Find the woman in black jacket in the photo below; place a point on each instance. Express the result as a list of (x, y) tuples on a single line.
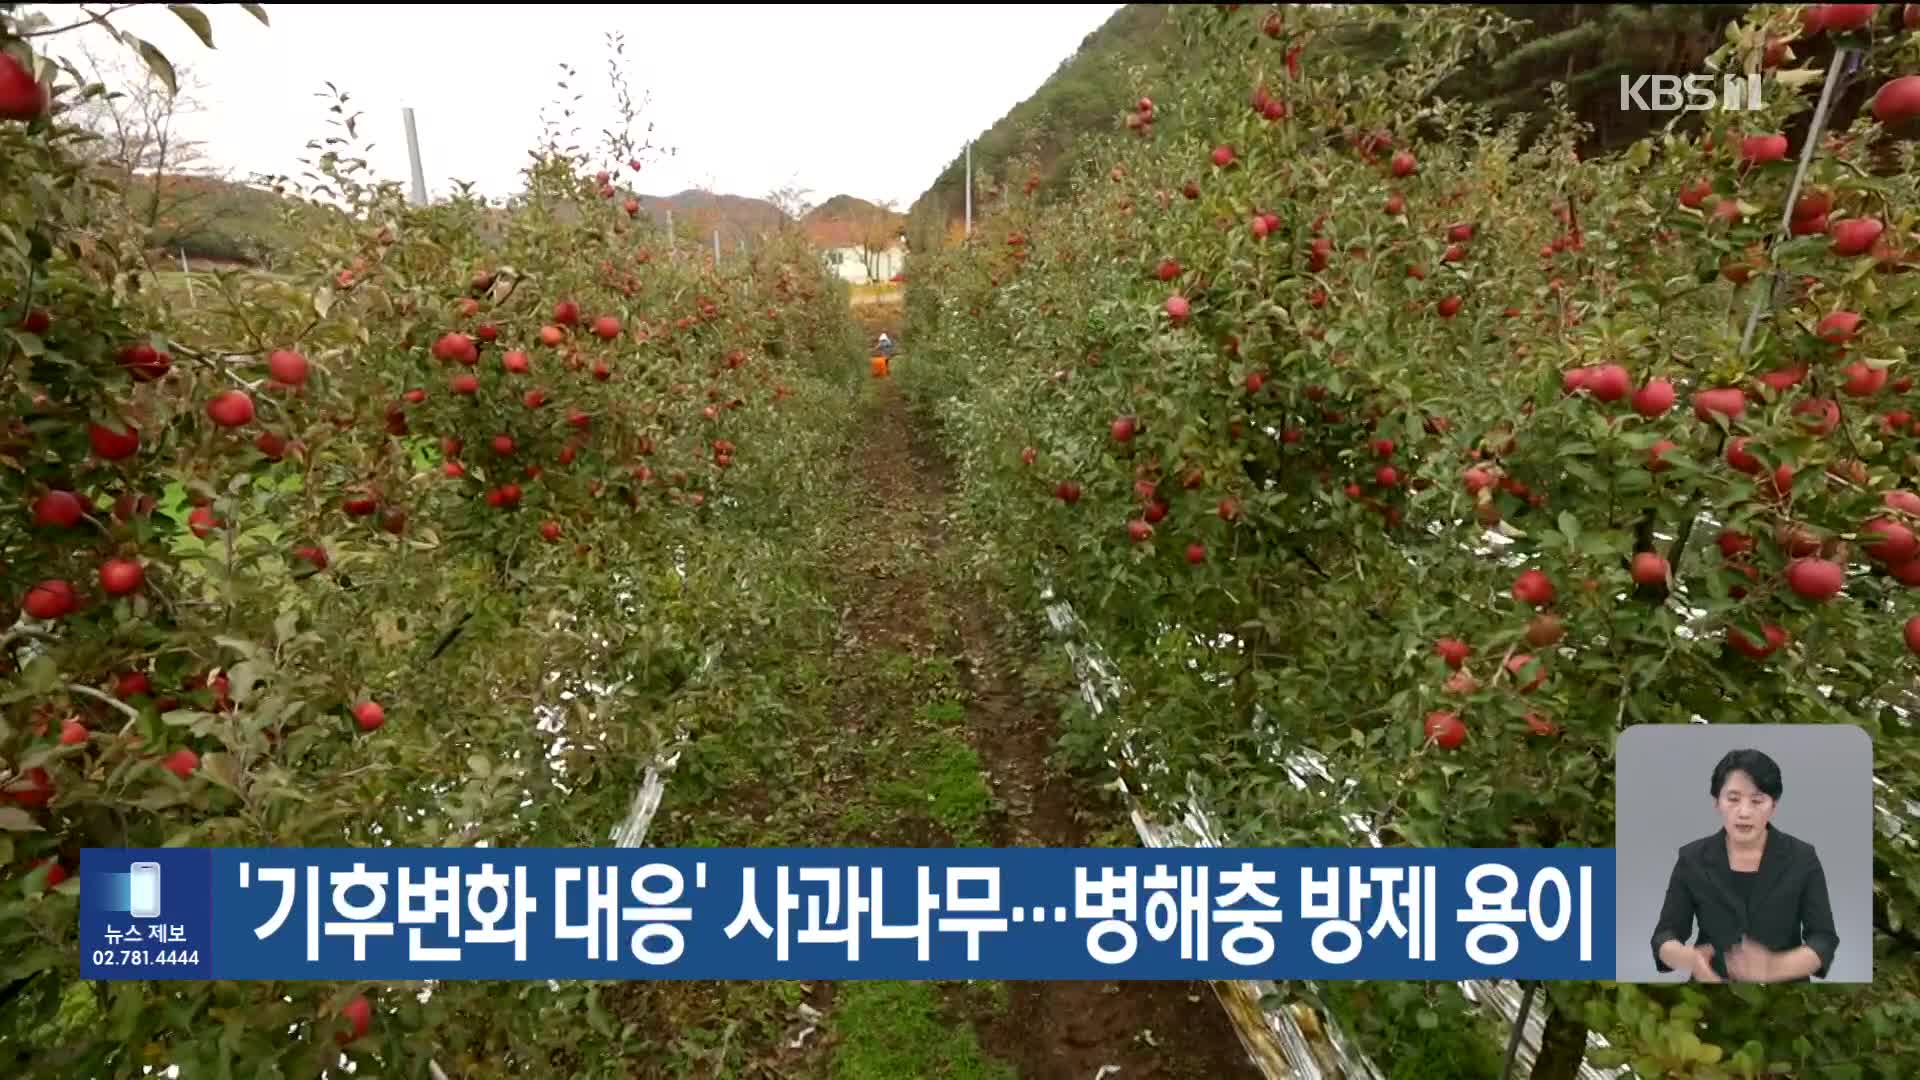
[(1758, 894)]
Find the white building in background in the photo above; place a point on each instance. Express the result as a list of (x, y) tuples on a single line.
[(841, 247)]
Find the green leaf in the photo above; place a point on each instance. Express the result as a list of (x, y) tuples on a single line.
[(1570, 527), (243, 679), (257, 12), (14, 819), (222, 770), (196, 21), (479, 765), (41, 675), (28, 344), (156, 61)]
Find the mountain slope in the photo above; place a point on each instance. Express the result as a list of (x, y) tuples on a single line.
[(1079, 97), (698, 214), (848, 221), (1140, 47)]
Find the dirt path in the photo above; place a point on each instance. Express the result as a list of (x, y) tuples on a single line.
[(1051, 1029), (903, 725)]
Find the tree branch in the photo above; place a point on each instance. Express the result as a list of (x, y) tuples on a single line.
[(91, 19), (88, 691)]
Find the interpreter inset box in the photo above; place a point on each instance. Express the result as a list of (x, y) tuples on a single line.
[(1744, 853)]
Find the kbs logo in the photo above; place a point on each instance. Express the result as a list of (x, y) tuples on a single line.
[(1688, 93)]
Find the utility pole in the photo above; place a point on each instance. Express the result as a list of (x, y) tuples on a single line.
[(969, 188), (413, 152), (670, 251), (716, 247)]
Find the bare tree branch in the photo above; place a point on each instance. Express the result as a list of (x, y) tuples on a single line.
[(142, 143)]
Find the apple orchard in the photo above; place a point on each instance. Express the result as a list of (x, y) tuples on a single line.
[(1352, 423), (300, 563)]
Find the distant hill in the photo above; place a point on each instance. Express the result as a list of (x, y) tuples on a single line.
[(1086, 93), (208, 218), (1140, 50), (848, 221), (697, 214)]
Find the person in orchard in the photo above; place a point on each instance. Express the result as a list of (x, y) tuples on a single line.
[(1758, 895)]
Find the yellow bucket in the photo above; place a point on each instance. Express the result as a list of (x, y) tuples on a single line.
[(879, 365)]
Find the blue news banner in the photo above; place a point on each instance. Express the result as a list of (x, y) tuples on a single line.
[(405, 914)]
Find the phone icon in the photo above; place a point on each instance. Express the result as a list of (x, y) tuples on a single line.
[(144, 890)]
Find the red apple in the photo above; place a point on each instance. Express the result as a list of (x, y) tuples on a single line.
[(1445, 729), (1819, 415), (1897, 101), (1609, 382), (51, 599), (1453, 651), (111, 445), (369, 715), (1816, 579), (1729, 402), (181, 763), (1739, 458), (1838, 327), (1843, 17), (286, 367), (1517, 666), (1534, 588), (1775, 636), (22, 98), (59, 509), (458, 347), (1762, 149), (118, 577), (1863, 379), (1649, 569), (359, 1016), (1653, 399), (1855, 236), (1896, 542), (231, 408)]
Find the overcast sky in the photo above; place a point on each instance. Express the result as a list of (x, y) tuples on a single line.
[(870, 101)]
